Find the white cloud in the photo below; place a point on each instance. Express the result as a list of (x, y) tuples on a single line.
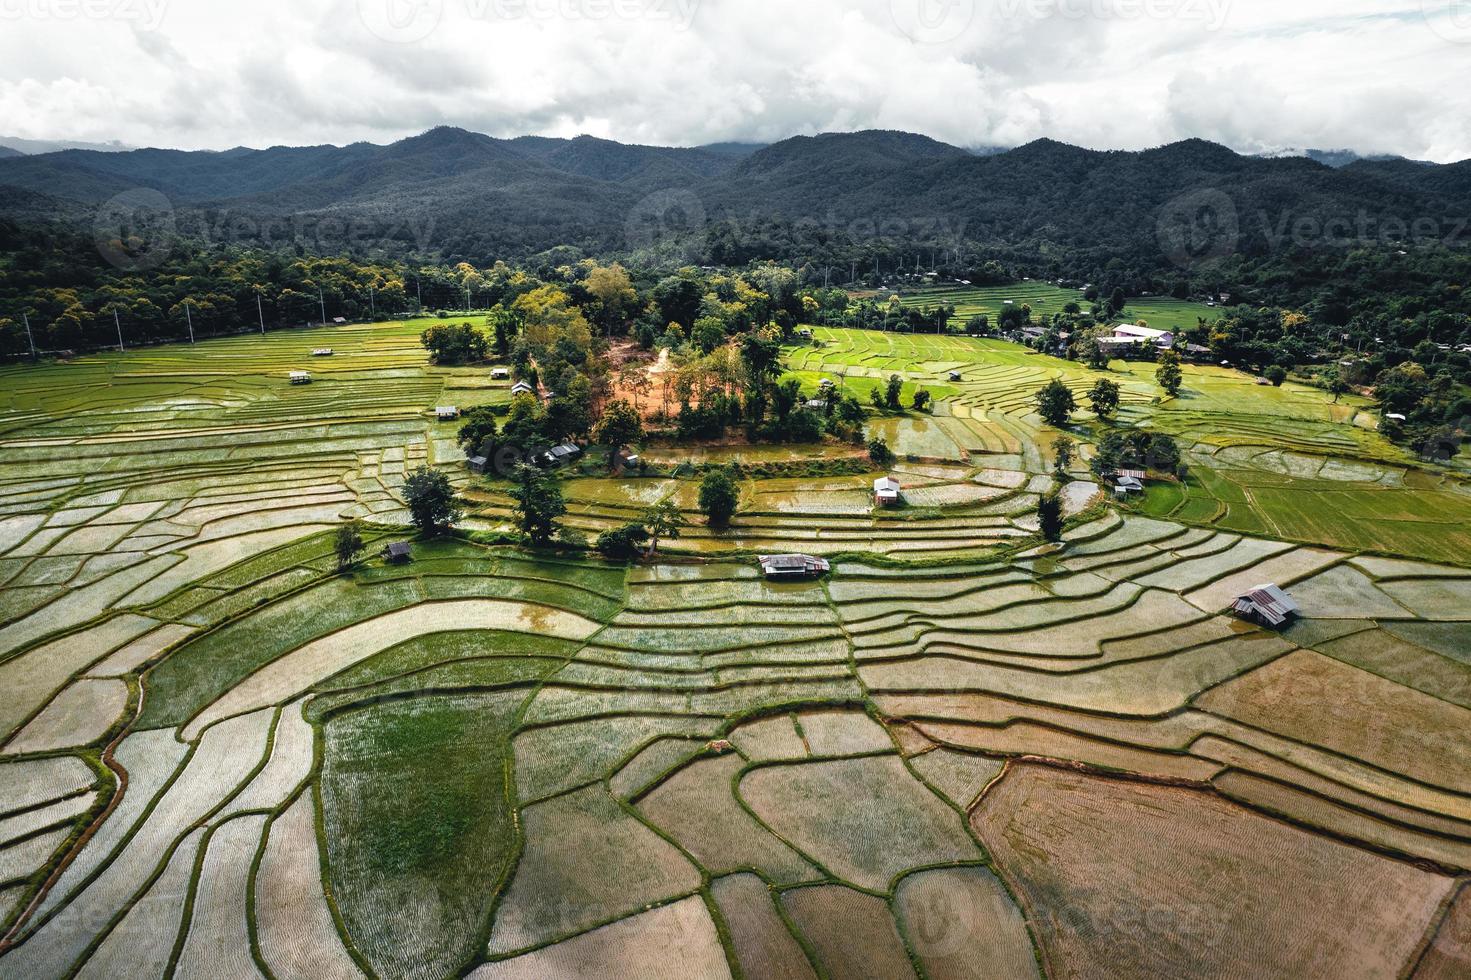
[(1365, 74)]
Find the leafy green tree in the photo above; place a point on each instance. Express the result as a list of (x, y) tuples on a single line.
[(539, 505), (622, 543), (1169, 375), (1334, 381), (880, 453), (708, 333), (892, 390), (849, 411), (1064, 451), (719, 497), (1104, 397), (761, 356), (1049, 515), (348, 544), (922, 399), (1277, 374), (455, 343), (570, 412), (678, 299), (1402, 389), (620, 426), (480, 425), (664, 520), (432, 500), (784, 398), (1056, 404)]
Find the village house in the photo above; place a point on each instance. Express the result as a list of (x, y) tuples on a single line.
[(323, 352), (1266, 605), (793, 566), (477, 464), (447, 413), (522, 388), (561, 455), (500, 374), (1127, 335), (887, 492), (399, 552), (300, 378)]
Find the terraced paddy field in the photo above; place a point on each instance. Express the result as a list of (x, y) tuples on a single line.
[(956, 756), (1045, 299), (1283, 462)]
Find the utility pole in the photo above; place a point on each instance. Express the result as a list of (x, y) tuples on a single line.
[(190, 318), (854, 279), (260, 313), (419, 291), (323, 304), (119, 324), (467, 299), (372, 307), (29, 339)]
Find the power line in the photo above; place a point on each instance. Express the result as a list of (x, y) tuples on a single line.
[(30, 339), (260, 313), (190, 318), (119, 324)]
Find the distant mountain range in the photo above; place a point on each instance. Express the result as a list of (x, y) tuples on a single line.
[(14, 145), (453, 195)]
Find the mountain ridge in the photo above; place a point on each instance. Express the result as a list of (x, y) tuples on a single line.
[(484, 196)]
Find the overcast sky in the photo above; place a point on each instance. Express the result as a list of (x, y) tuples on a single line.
[(1370, 75)]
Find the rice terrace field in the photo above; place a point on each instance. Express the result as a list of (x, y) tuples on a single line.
[(962, 754)]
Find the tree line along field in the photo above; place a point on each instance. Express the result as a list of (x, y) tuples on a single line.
[(1045, 299), (957, 756)]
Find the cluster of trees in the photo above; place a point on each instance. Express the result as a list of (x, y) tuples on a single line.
[(73, 299)]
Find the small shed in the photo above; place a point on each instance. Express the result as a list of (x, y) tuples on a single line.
[(447, 413), (500, 374), (561, 455), (955, 376), (886, 492), (826, 384), (522, 388), (793, 566), (1266, 605), (477, 464), (301, 378), (1396, 417), (399, 552), (339, 319), (817, 404), (805, 334), (323, 352), (1139, 476), (1127, 485), (630, 461)]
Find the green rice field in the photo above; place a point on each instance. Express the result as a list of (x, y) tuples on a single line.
[(1045, 299), (956, 755)]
